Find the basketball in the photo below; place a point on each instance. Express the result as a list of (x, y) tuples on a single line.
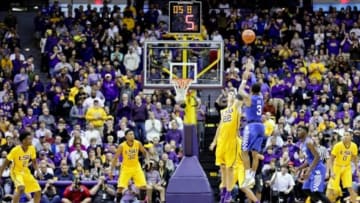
[(248, 36)]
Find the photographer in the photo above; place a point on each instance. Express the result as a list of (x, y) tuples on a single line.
[(50, 193), (282, 184), (76, 193), (130, 194), (103, 192)]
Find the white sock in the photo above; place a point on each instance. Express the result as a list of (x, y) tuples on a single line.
[(247, 173), (252, 174)]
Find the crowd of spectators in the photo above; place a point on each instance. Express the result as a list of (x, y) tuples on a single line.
[(307, 62), (93, 94)]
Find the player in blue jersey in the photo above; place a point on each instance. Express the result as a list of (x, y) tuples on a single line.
[(315, 170), (254, 131)]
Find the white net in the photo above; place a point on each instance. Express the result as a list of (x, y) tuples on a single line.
[(181, 87)]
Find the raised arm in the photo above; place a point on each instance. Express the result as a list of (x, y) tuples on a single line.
[(245, 76)]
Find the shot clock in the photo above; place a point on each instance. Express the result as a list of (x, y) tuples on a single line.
[(185, 17)]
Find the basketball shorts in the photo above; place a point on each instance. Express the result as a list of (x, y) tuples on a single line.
[(253, 137), (27, 180), (137, 174), (344, 175), (316, 181), (226, 153)]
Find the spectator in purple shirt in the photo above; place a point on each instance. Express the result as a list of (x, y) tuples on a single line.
[(314, 86), (346, 108), (269, 155), (7, 106), (54, 58), (171, 153), (154, 182), (21, 82), (17, 64), (154, 75), (130, 194), (333, 46), (29, 119), (139, 116), (174, 134), (301, 118), (124, 108), (160, 113), (110, 90)]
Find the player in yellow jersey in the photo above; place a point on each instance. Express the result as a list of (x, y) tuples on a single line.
[(130, 166), (342, 154), (20, 157), (226, 143), (239, 174)]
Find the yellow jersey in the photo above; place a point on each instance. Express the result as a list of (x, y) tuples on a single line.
[(130, 155), (343, 155), (190, 109), (20, 159), (230, 122), (238, 161)]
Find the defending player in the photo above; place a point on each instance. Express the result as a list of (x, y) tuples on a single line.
[(226, 141), (254, 131), (20, 157), (130, 167), (342, 154), (314, 176)]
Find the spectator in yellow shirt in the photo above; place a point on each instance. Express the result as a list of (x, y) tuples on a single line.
[(129, 23), (74, 91), (97, 116), (326, 124), (269, 124), (316, 70), (285, 52), (7, 66)]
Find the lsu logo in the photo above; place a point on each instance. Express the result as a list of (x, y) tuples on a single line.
[(25, 157)]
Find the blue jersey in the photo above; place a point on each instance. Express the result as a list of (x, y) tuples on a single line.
[(316, 180), (306, 151), (254, 111)]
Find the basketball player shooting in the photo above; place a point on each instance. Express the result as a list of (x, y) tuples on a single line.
[(254, 131), (226, 142)]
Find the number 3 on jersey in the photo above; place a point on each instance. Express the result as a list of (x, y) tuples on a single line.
[(259, 110)]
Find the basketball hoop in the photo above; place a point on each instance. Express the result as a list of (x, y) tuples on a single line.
[(181, 86)]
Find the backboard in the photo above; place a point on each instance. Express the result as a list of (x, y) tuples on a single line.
[(201, 61)]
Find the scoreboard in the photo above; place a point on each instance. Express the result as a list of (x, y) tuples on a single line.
[(185, 17)]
